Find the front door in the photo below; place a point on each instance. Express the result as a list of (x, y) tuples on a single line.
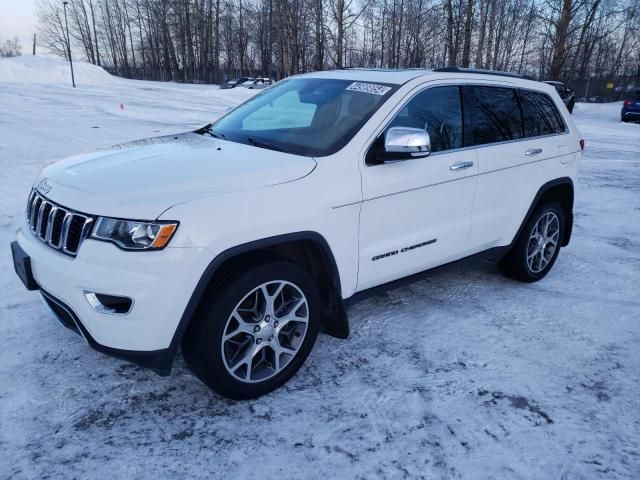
[(416, 213)]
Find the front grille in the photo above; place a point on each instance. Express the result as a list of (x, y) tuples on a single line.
[(57, 226)]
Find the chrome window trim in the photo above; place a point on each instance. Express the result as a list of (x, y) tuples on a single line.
[(460, 84)]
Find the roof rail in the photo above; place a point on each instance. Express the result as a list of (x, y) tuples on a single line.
[(483, 72)]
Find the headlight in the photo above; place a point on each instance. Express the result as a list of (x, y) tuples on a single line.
[(134, 235)]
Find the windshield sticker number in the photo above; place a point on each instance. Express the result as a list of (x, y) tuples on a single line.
[(372, 88)]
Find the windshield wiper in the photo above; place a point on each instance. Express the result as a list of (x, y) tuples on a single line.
[(264, 145), (209, 130)]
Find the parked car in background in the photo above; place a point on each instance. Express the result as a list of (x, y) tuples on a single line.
[(631, 108), (236, 82), (240, 241), (258, 84), (567, 95)]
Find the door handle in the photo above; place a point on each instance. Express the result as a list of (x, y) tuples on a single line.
[(461, 165), (533, 151)]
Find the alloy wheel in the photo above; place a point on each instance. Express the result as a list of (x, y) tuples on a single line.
[(265, 331), (543, 242)]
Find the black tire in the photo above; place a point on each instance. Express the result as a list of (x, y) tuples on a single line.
[(514, 264), (202, 344)]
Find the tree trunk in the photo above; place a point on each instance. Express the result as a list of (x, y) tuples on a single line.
[(492, 27), (484, 6), (466, 49), (451, 60), (560, 41), (319, 35)]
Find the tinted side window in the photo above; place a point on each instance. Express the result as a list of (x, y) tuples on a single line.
[(438, 110), (496, 115), (541, 117)]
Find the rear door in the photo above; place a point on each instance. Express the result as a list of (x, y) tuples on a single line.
[(516, 132)]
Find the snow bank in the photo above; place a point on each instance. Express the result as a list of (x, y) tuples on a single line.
[(37, 69)]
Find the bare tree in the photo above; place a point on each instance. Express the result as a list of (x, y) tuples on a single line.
[(10, 48), (204, 40)]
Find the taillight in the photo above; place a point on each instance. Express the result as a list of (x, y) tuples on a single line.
[(627, 102), (582, 144)]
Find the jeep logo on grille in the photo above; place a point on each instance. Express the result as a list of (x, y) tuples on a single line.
[(44, 186)]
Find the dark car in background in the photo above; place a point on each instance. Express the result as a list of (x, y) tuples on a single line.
[(567, 95), (236, 82), (631, 108), (258, 84)]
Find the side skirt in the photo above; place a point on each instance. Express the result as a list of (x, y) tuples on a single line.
[(492, 255)]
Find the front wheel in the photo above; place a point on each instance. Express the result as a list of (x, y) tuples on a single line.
[(536, 249), (253, 336)]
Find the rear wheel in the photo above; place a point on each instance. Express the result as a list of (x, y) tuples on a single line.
[(254, 336), (536, 249)]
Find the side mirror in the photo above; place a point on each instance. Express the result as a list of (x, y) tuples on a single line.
[(401, 143)]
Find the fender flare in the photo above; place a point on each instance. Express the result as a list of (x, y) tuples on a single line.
[(337, 326), (536, 199)]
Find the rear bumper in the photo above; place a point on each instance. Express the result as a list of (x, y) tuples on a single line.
[(631, 114)]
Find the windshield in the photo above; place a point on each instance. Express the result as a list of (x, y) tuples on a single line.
[(303, 116)]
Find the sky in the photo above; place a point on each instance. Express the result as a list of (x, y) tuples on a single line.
[(17, 19)]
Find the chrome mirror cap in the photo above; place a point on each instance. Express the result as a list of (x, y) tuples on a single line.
[(413, 141)]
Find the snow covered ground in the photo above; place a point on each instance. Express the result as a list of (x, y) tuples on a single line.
[(464, 375)]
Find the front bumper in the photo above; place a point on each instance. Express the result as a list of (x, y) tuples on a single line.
[(160, 283), (160, 361)]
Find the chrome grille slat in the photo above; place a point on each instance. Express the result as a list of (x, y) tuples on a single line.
[(40, 214), (86, 228), (57, 244), (68, 242), (59, 227), (52, 215), (34, 211), (65, 229), (32, 197)]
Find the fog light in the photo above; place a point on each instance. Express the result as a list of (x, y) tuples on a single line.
[(111, 304)]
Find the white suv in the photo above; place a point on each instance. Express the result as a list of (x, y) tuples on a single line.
[(240, 241)]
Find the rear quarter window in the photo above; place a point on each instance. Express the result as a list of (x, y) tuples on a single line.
[(540, 115)]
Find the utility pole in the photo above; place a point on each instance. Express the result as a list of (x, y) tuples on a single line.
[(270, 39), (73, 81), (586, 92), (34, 43)]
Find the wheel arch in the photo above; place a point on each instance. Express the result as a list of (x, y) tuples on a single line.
[(560, 190), (307, 248)]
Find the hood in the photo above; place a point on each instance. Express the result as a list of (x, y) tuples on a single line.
[(141, 179)]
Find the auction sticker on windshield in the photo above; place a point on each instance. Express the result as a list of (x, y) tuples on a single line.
[(373, 88)]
